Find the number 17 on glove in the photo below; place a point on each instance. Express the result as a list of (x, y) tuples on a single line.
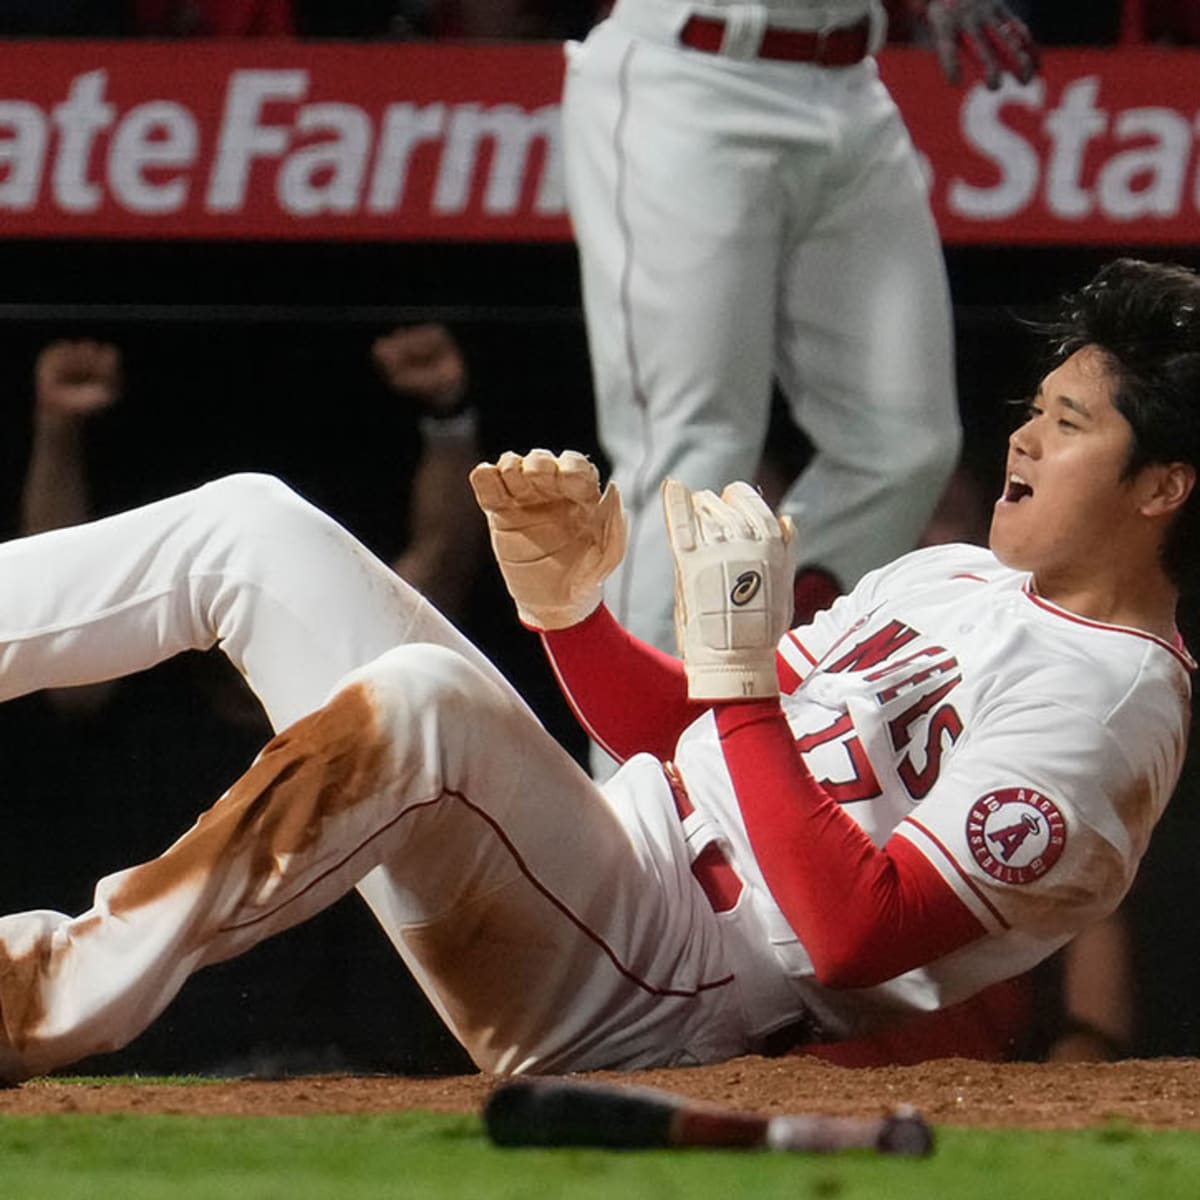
[(734, 565)]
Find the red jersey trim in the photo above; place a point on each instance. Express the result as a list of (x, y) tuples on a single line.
[(795, 641), (789, 678), (1179, 650), (971, 885)]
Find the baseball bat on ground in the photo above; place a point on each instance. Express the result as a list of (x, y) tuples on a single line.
[(570, 1112)]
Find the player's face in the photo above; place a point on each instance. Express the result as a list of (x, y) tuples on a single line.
[(1066, 509)]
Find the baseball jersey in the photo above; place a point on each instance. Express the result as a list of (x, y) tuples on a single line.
[(1024, 752)]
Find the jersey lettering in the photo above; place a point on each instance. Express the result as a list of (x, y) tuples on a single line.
[(945, 723), (883, 672), (900, 727), (872, 650), (862, 783), (942, 668)]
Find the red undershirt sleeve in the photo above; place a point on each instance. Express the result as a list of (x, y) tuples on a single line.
[(864, 914), (628, 695)]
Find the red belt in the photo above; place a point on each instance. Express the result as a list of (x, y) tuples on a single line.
[(841, 47), (714, 872)]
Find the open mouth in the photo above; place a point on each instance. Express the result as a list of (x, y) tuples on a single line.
[(1016, 489)]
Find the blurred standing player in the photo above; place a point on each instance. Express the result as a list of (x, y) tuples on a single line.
[(747, 205)]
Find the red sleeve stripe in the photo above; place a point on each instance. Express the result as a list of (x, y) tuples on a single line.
[(958, 879), (789, 680), (796, 656)]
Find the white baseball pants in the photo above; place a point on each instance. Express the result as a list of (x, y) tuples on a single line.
[(555, 926), (739, 221)]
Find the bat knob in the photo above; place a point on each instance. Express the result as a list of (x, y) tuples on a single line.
[(905, 1132)]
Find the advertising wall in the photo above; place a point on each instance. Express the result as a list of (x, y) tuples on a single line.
[(414, 141)]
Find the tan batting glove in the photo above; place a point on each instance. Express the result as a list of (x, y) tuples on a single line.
[(555, 537), (734, 565)]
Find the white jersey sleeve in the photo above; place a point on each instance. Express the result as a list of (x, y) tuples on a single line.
[(1040, 817), (1047, 846)]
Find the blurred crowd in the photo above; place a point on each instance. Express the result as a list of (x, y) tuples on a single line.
[(1101, 22)]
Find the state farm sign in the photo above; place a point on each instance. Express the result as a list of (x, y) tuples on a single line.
[(389, 142), (323, 158), (202, 140), (1102, 147)]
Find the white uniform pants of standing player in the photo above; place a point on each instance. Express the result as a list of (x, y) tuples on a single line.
[(743, 219), (554, 926)]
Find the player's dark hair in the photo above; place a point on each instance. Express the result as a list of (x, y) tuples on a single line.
[(1145, 318)]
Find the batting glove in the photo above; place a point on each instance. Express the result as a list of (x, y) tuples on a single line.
[(733, 589), (555, 537), (988, 31)]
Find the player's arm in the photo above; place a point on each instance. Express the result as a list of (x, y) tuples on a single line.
[(556, 538), (628, 695), (865, 914)]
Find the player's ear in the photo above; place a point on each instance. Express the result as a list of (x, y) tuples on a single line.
[(1165, 488)]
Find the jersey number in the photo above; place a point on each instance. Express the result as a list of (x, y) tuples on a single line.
[(945, 726), (862, 784)]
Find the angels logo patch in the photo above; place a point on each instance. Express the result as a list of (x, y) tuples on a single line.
[(1016, 834)]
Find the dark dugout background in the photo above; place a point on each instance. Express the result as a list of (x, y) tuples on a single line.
[(246, 356)]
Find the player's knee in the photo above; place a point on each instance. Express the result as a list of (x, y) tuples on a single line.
[(251, 501), (246, 493), (433, 706), (424, 679)]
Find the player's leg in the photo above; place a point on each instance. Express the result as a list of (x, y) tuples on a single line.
[(866, 352), (677, 216), (291, 597), (551, 932)]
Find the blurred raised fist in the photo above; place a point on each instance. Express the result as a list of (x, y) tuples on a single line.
[(425, 362), (987, 31), (77, 378)]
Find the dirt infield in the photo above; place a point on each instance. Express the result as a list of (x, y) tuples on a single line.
[(1159, 1093)]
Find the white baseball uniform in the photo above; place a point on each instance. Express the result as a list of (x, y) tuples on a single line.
[(1019, 754), (740, 218)]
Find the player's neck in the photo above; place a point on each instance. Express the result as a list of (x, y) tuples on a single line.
[(1136, 597)]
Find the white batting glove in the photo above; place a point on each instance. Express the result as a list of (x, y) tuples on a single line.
[(555, 537), (986, 30), (734, 565)]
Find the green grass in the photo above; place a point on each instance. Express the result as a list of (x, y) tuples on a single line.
[(90, 1157)]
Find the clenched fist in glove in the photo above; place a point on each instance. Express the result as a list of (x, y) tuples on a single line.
[(555, 537), (987, 30), (733, 589)]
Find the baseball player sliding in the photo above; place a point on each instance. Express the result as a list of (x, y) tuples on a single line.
[(748, 207), (814, 833)]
